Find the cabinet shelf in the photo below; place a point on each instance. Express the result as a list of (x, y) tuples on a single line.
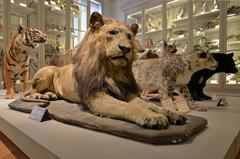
[(198, 16), (233, 18), (179, 39), (233, 43), (212, 30), (154, 31), (21, 10), (53, 31)]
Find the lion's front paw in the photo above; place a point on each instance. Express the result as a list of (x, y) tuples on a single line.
[(156, 122), (175, 118), (196, 106), (46, 96), (51, 96)]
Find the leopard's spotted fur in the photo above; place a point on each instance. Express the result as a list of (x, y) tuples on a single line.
[(170, 72)]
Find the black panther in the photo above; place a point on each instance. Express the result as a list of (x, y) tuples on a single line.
[(198, 80)]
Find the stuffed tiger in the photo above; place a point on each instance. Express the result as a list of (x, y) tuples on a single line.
[(16, 57)]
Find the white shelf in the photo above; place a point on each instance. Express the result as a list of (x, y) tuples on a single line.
[(53, 31), (198, 16), (212, 30), (233, 43), (179, 20), (154, 31), (179, 39), (206, 14), (233, 18), (59, 12), (20, 10), (176, 3)]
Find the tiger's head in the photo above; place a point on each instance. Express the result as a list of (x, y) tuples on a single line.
[(31, 37)]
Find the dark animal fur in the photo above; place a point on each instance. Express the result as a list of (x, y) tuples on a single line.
[(199, 79)]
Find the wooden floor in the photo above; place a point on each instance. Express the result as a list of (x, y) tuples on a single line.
[(8, 150)]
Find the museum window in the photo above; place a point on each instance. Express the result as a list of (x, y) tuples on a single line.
[(64, 23)]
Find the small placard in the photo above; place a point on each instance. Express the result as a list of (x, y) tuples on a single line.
[(39, 114), (181, 104), (167, 103), (222, 102)]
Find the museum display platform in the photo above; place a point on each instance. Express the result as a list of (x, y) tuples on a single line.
[(52, 139)]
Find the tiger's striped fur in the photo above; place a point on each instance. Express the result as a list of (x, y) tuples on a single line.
[(16, 57)]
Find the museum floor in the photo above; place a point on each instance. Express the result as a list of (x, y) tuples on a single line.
[(52, 139)]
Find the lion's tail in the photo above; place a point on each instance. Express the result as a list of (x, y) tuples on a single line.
[(24, 98)]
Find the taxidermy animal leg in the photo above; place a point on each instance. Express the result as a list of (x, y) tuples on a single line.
[(147, 96), (108, 106), (191, 103), (173, 117), (9, 85)]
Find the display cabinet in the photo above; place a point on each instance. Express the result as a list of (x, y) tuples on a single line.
[(65, 23), (177, 24), (233, 38), (79, 21), (1, 38), (194, 26), (55, 28), (137, 18), (153, 26)]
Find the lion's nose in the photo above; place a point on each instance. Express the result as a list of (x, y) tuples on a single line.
[(125, 49)]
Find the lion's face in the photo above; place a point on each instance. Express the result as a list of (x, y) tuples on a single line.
[(117, 40), (119, 44)]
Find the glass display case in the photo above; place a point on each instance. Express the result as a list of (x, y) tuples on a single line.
[(206, 29), (233, 38), (55, 28), (79, 21), (137, 18), (177, 24), (173, 20), (1, 40), (24, 12), (153, 26)]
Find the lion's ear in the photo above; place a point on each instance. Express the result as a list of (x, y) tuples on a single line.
[(96, 21), (134, 28)]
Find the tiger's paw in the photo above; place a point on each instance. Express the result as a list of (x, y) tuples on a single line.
[(10, 96)]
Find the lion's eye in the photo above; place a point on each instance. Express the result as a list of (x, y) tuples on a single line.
[(113, 32), (129, 36)]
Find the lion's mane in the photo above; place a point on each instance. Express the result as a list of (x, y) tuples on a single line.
[(94, 72)]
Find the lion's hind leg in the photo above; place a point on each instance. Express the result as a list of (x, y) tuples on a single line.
[(107, 106), (175, 118)]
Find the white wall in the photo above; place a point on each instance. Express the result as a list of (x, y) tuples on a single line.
[(121, 7), (107, 8)]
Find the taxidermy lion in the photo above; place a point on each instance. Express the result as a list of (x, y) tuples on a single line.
[(101, 77)]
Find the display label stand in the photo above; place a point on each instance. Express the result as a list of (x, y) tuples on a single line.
[(39, 114)]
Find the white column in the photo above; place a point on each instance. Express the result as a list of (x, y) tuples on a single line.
[(223, 36), (68, 25), (41, 26), (6, 22), (164, 20), (190, 26)]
